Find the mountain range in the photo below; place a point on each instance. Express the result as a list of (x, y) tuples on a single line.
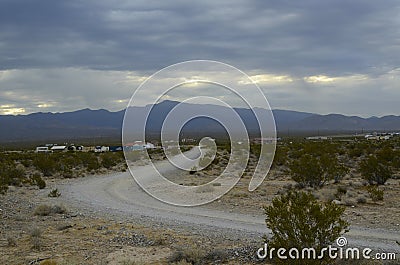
[(88, 123)]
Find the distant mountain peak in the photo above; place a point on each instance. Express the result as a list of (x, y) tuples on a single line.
[(91, 123)]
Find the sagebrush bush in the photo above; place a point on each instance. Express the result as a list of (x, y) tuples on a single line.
[(375, 171), (11, 241), (45, 209), (36, 235), (314, 171), (38, 181), (375, 193), (42, 210), (298, 220), (361, 199), (192, 255)]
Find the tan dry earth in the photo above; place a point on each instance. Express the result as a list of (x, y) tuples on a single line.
[(110, 219)]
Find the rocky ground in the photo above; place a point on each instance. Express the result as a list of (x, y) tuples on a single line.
[(69, 235)]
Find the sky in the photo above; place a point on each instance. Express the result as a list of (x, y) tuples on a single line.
[(317, 56)]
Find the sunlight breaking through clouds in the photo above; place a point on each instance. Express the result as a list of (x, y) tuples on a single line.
[(11, 110), (330, 79)]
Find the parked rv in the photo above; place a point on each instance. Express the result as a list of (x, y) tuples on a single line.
[(43, 149)]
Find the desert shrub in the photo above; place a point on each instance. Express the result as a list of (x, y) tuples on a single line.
[(10, 175), (191, 255), (38, 181), (36, 235), (54, 193), (374, 171), (355, 152), (58, 209), (298, 220), (108, 160), (361, 199), (386, 154), (307, 171), (216, 255), (280, 156), (314, 171), (11, 241), (45, 163), (375, 193), (340, 191), (42, 210), (159, 240), (3, 186), (45, 209)]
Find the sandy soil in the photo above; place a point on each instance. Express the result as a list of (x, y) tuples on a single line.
[(110, 220)]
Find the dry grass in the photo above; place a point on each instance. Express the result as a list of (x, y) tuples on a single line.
[(45, 210)]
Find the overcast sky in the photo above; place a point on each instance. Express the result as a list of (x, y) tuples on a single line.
[(334, 56)]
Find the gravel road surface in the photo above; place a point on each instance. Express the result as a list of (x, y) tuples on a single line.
[(119, 195)]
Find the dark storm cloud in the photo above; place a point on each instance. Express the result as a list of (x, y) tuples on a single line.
[(312, 55), (297, 37)]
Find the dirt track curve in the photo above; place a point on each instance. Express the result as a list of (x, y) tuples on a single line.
[(120, 195)]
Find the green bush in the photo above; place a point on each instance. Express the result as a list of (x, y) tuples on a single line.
[(45, 163), (298, 220), (10, 175), (375, 193), (374, 170), (314, 171), (108, 160), (340, 192), (38, 181)]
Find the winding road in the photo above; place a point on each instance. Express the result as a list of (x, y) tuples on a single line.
[(119, 194)]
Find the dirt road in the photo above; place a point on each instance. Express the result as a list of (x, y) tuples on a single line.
[(118, 194)]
